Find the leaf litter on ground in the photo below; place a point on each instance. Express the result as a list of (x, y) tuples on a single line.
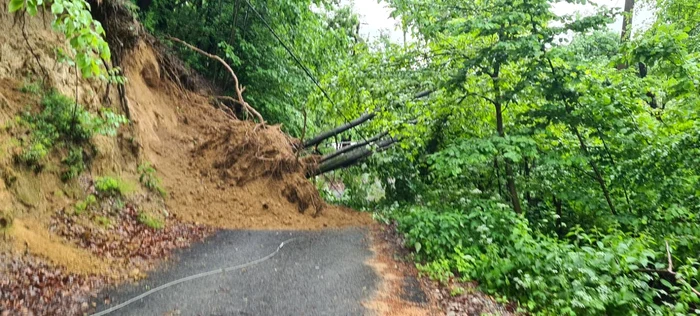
[(30, 286)]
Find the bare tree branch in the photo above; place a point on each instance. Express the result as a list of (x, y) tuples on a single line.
[(237, 86)]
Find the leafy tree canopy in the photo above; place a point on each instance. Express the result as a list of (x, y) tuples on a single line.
[(552, 162)]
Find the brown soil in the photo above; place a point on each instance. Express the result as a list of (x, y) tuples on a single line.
[(36, 239), (393, 273)]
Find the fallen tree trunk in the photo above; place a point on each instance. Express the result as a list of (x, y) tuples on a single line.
[(351, 158), (360, 120), (423, 94), (328, 134), (354, 146)]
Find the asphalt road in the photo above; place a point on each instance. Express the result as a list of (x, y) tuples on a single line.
[(319, 273)]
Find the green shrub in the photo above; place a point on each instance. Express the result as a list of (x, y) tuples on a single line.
[(103, 221), (74, 163), (149, 179), (64, 123), (31, 87), (110, 186), (592, 274), (150, 221), (457, 291), (33, 155), (119, 204), (82, 206)]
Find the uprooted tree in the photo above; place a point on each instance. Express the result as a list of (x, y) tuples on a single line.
[(355, 152)]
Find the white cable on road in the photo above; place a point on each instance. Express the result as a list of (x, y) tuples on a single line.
[(193, 277)]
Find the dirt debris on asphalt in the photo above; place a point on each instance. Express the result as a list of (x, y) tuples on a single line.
[(404, 279), (397, 294)]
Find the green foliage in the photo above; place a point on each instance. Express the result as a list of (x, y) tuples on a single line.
[(456, 291), (33, 154), (84, 35), (150, 180), (592, 274), (82, 206), (150, 221), (119, 204), (103, 221), (553, 172), (75, 164), (109, 186), (65, 125), (31, 87)]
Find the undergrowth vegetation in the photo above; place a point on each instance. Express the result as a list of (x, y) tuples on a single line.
[(65, 127), (150, 221), (149, 179), (595, 272), (111, 186), (85, 205), (109, 201)]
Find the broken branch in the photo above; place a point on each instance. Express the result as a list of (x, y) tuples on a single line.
[(670, 271), (237, 86), (670, 261), (352, 147)]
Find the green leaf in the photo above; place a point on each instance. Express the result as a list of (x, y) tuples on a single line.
[(666, 283), (16, 5), (514, 157), (32, 7), (57, 7)]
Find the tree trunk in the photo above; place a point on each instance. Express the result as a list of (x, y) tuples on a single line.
[(598, 174), (360, 120), (498, 175), (528, 193), (622, 176), (328, 134), (510, 176), (352, 147), (350, 158), (627, 20)]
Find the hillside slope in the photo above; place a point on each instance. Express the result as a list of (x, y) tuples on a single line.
[(215, 171)]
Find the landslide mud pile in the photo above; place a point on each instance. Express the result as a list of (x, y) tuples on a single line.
[(221, 171)]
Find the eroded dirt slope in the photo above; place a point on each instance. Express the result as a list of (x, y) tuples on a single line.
[(220, 171)]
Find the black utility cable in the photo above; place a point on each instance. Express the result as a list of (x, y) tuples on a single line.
[(194, 277), (298, 61)]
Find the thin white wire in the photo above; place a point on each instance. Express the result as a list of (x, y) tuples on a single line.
[(193, 277)]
